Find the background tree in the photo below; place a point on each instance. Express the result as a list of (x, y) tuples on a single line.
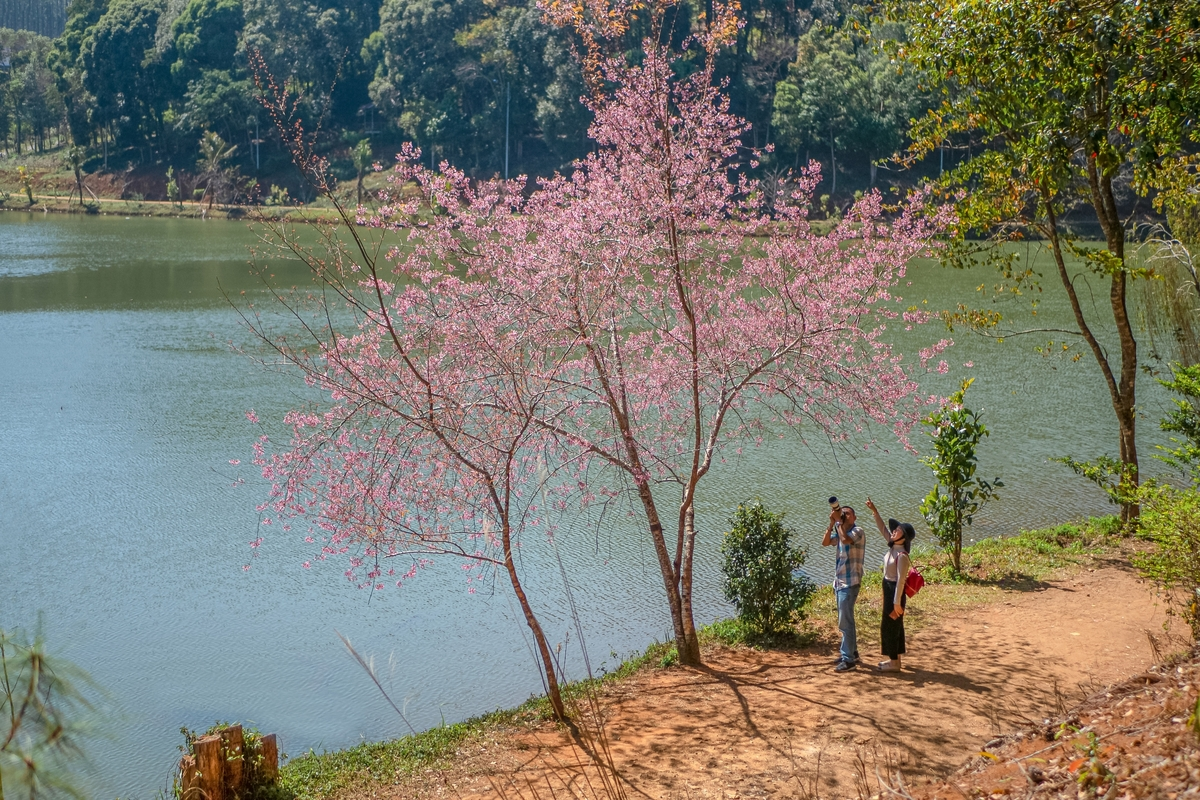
[(215, 172), (74, 158), (956, 432), (116, 71), (361, 155), (1069, 101)]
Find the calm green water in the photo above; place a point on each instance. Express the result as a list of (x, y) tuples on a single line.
[(120, 520)]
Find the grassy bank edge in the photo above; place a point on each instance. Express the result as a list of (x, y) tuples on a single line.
[(161, 209), (1023, 562)]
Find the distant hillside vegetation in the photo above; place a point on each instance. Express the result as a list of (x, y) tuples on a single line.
[(47, 17)]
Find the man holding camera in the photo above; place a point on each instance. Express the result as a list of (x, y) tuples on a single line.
[(843, 531)]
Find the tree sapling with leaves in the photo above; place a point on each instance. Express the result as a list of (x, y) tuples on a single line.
[(958, 494)]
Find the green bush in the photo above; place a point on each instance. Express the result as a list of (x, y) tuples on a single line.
[(759, 570), (1170, 520)]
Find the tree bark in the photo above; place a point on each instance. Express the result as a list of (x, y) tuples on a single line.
[(689, 652), (1105, 204), (1122, 391), (553, 694)]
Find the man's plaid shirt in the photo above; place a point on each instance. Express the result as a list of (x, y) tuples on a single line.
[(850, 559)]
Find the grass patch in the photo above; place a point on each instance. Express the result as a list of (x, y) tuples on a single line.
[(316, 775), (735, 633)]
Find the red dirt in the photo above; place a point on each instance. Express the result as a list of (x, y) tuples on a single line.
[(765, 724)]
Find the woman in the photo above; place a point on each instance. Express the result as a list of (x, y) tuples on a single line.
[(896, 564)]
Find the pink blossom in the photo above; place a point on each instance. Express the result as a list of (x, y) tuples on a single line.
[(527, 342)]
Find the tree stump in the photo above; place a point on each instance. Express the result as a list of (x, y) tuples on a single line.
[(268, 756), (189, 779), (210, 762), (232, 749)]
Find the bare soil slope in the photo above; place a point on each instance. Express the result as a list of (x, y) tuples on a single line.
[(755, 724)]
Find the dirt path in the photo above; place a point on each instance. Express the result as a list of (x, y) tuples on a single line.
[(754, 724)]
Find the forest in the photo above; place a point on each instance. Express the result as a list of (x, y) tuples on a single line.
[(486, 85)]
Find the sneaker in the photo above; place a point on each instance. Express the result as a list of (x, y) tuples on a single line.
[(889, 666), (845, 666)]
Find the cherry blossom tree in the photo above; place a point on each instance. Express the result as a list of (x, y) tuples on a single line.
[(684, 315), (523, 351)]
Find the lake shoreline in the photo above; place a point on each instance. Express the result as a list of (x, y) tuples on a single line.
[(996, 571), (158, 209)]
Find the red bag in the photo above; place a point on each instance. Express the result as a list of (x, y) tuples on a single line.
[(914, 583)]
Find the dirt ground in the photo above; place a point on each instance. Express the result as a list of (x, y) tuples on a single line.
[(768, 724)]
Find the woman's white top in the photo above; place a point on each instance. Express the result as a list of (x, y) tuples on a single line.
[(896, 565)]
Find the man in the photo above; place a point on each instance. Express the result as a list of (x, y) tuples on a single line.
[(843, 531)]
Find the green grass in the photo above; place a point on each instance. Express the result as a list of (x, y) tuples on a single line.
[(316, 775)]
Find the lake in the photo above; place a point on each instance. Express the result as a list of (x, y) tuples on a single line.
[(125, 529)]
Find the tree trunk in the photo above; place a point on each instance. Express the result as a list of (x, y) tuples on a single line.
[(1105, 204), (669, 575), (690, 652), (832, 166), (543, 647), (1122, 392)]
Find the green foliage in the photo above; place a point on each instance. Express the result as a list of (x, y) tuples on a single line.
[(843, 94), (361, 156), (759, 569), (25, 182), (1170, 521), (205, 36), (43, 712), (173, 193), (956, 432), (1184, 420), (278, 197), (115, 72), (1114, 478)]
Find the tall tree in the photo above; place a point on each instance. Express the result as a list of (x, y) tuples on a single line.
[(657, 333), (119, 70), (1066, 100)]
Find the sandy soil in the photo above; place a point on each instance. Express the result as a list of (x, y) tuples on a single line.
[(753, 724)]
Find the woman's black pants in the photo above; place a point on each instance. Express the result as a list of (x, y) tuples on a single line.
[(891, 631)]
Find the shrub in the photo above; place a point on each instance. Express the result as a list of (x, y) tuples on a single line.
[(1170, 520), (956, 432), (759, 568)]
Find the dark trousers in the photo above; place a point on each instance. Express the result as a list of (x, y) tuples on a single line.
[(891, 631)]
